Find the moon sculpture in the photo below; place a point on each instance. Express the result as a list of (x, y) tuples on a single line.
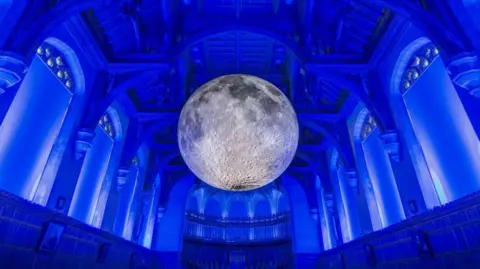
[(238, 132)]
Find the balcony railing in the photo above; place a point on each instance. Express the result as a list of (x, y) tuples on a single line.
[(208, 228)]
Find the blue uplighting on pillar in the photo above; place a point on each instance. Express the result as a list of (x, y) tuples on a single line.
[(325, 216), (126, 180), (151, 205), (347, 188), (26, 139), (442, 127), (341, 202), (383, 180), (90, 181)]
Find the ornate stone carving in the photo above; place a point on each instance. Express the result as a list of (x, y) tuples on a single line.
[(351, 177), (122, 177), (83, 142), (391, 144), (12, 70), (465, 72), (329, 201)]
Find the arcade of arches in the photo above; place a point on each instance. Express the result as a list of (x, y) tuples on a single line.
[(386, 93)]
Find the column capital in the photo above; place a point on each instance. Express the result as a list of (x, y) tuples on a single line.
[(464, 70), (12, 70), (160, 213), (83, 142), (391, 144), (328, 201), (122, 177), (351, 177)]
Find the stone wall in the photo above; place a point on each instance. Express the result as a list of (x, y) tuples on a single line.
[(446, 237), (22, 228)]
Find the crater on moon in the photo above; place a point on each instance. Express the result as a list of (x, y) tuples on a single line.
[(238, 132)]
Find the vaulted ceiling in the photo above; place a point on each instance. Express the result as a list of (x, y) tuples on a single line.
[(171, 47)]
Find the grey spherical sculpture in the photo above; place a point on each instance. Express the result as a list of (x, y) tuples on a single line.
[(238, 132)]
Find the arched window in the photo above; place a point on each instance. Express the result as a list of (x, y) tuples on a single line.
[(35, 130), (441, 140), (93, 185), (419, 63)]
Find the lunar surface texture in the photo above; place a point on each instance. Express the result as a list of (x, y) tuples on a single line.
[(238, 132)]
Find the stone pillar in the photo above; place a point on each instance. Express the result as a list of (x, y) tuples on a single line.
[(409, 187), (351, 178), (316, 218), (329, 219), (464, 71), (125, 195), (391, 144), (83, 142)]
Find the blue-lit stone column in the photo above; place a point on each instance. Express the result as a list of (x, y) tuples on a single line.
[(368, 188), (125, 184), (318, 224), (443, 128), (409, 187), (383, 178), (331, 237), (150, 203), (83, 142), (351, 178), (340, 205)]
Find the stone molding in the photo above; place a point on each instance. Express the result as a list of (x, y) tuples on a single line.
[(83, 142), (464, 71), (391, 144), (12, 70)]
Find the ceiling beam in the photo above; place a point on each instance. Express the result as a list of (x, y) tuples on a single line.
[(125, 67), (337, 68)]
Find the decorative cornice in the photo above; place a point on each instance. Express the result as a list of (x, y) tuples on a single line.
[(12, 70), (329, 201), (122, 177), (465, 72), (83, 142), (391, 144), (351, 177)]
